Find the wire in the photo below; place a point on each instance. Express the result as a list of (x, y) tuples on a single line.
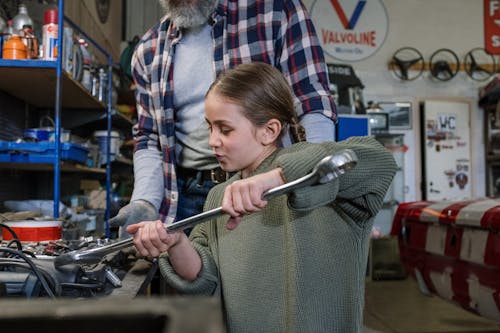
[(12, 262), (18, 243), (35, 269), (12, 232)]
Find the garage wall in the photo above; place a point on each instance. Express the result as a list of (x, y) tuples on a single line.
[(108, 34), (427, 25), (140, 16)]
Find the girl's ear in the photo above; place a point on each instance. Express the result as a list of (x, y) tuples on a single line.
[(271, 132)]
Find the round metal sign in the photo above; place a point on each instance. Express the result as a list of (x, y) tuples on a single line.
[(350, 30)]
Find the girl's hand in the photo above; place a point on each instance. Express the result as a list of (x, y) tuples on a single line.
[(245, 196), (151, 239)]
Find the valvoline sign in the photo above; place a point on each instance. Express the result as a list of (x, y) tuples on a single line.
[(350, 30), (492, 26)]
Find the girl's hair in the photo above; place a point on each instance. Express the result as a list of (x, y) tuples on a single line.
[(263, 93)]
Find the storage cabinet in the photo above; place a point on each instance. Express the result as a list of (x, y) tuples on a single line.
[(395, 194), (492, 150), (44, 84)]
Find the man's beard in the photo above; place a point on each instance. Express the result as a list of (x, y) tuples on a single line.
[(188, 13)]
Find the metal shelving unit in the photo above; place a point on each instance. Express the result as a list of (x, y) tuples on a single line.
[(47, 81), (492, 149)]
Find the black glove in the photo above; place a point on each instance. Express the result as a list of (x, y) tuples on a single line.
[(135, 212)]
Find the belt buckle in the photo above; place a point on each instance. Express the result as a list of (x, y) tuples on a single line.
[(218, 175)]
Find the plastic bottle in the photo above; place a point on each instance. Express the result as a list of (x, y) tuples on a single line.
[(87, 65), (103, 84), (22, 18), (30, 41), (14, 48), (95, 83), (8, 31), (50, 34), (3, 24)]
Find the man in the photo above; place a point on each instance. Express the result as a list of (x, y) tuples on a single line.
[(174, 167)]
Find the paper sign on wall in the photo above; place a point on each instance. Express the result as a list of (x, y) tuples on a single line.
[(492, 26)]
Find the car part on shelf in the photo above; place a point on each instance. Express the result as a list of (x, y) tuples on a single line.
[(407, 63), (444, 64), (326, 170)]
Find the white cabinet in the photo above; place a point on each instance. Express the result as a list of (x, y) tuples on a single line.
[(396, 193)]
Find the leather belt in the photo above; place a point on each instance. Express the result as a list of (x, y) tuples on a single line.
[(216, 175)]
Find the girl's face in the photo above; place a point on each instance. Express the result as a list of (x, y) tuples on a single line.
[(237, 143)]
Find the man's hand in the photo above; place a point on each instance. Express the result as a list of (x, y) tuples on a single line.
[(135, 212)]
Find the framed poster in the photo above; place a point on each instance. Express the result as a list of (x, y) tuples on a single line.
[(446, 150)]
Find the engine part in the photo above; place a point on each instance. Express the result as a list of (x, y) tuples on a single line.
[(26, 274)]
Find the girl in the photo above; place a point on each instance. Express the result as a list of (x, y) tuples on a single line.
[(296, 263)]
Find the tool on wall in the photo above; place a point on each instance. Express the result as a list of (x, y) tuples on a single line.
[(444, 64), (479, 64), (407, 63)]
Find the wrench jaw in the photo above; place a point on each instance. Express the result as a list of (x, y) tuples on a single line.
[(336, 165), (77, 257)]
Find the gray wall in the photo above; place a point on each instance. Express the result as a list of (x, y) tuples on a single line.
[(141, 15)]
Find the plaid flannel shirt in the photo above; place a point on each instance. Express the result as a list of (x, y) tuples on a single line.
[(276, 32)]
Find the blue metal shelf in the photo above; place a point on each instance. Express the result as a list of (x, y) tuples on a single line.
[(25, 88), (28, 63), (37, 85)]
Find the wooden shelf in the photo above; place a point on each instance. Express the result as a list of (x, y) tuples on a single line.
[(37, 86), (84, 122), (427, 66)]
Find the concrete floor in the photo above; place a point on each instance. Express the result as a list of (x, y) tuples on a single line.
[(399, 307)]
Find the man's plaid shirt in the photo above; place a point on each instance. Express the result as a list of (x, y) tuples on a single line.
[(277, 32)]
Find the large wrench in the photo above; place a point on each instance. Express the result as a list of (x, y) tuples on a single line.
[(325, 171)]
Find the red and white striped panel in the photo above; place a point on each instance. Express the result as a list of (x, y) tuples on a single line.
[(453, 248), (466, 229)]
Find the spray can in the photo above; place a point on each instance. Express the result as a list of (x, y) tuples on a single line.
[(50, 35)]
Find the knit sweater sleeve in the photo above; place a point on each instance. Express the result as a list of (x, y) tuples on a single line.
[(207, 281), (359, 193), (205, 284)]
